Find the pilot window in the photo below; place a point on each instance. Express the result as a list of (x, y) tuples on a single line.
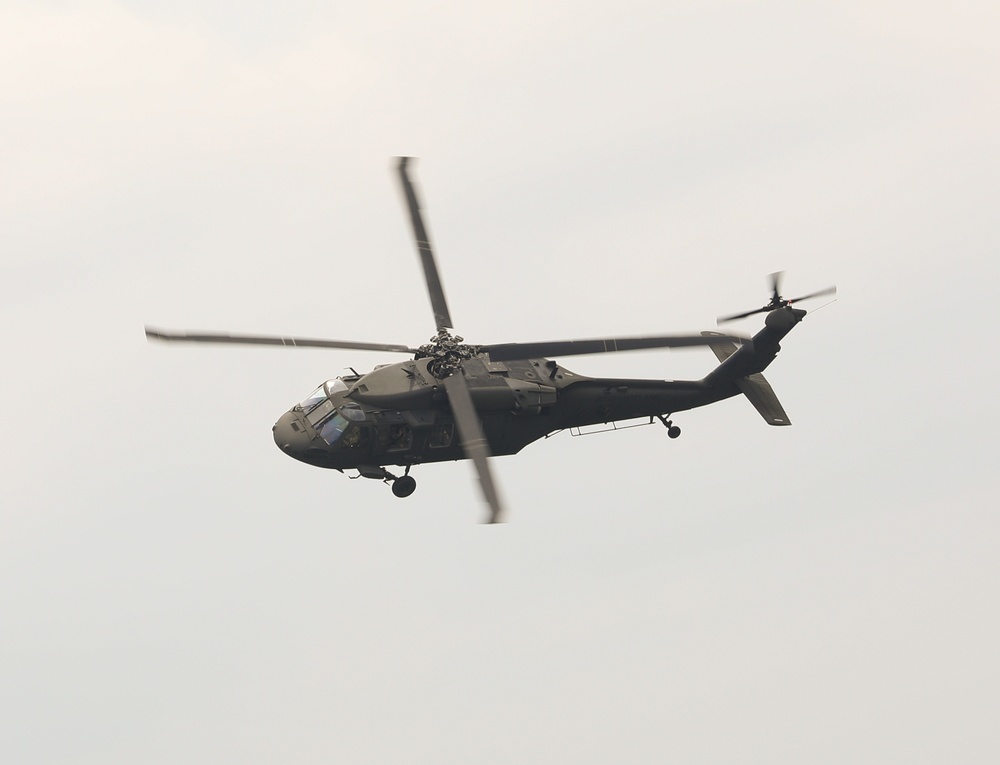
[(333, 429), (320, 412)]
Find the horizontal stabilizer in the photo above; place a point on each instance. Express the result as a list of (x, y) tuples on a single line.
[(722, 349), (761, 395)]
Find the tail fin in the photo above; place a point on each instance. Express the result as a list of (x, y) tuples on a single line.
[(761, 395), (754, 386)]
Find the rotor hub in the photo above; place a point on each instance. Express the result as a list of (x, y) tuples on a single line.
[(446, 353)]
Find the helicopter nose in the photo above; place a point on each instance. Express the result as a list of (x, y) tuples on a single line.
[(289, 434)]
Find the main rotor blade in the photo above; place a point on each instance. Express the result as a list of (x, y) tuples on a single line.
[(438, 303), (292, 342), (820, 293), (473, 439), (512, 351)]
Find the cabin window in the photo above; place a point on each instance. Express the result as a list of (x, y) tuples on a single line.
[(441, 435), (400, 437)]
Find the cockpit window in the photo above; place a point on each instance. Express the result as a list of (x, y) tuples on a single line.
[(353, 412), (334, 428), (314, 398), (318, 396), (320, 412), (333, 423), (335, 386)]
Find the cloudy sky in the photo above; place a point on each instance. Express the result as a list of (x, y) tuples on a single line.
[(174, 589)]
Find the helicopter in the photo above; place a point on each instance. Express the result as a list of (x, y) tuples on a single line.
[(454, 400)]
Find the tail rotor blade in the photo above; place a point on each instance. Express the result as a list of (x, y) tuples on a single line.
[(777, 301), (776, 278), (438, 303), (819, 293), (473, 440)]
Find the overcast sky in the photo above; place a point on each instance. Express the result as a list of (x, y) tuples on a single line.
[(174, 589)]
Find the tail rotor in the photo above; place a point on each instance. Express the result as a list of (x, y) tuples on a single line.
[(777, 301)]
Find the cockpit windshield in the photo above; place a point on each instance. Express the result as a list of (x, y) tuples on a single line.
[(313, 399), (321, 394)]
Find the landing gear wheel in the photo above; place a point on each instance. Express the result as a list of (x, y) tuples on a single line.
[(404, 486), (672, 430)]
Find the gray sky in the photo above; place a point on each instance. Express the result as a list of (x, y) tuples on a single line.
[(174, 589)]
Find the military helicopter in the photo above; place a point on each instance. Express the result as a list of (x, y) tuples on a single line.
[(454, 400)]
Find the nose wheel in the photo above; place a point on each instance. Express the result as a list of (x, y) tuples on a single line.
[(402, 486)]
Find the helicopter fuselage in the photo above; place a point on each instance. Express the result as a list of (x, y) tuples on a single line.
[(399, 414)]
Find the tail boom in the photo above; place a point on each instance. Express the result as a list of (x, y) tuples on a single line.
[(740, 368)]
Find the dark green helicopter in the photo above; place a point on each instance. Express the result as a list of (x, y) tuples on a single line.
[(455, 401)]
